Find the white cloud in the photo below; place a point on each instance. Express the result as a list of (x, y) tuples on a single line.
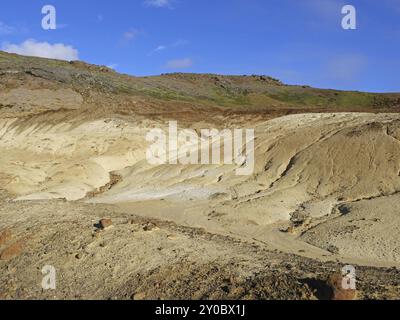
[(160, 48), (6, 29), (179, 63), (176, 44), (112, 66), (42, 49), (158, 3), (131, 34)]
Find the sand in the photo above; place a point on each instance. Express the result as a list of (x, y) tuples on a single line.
[(307, 166)]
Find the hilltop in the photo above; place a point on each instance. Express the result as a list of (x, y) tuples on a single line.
[(189, 93)]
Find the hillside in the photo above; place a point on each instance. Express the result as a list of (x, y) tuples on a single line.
[(324, 191), (179, 93)]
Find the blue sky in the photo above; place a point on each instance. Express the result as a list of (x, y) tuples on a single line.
[(297, 41)]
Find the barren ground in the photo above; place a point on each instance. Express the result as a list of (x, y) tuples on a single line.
[(324, 192)]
